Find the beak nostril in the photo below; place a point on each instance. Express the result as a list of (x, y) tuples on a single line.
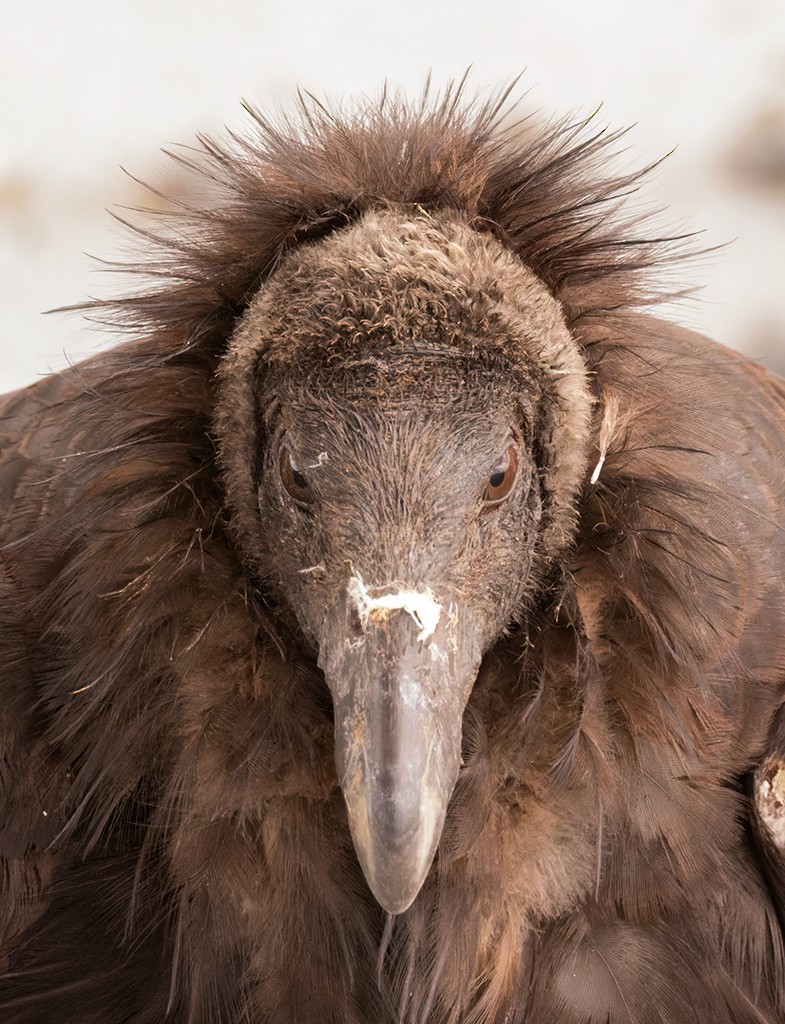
[(356, 628)]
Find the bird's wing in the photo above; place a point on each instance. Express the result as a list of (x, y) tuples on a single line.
[(683, 528), (98, 496), (33, 439)]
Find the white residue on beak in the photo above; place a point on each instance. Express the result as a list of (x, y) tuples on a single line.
[(421, 605)]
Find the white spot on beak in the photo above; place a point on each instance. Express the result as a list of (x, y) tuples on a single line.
[(421, 605)]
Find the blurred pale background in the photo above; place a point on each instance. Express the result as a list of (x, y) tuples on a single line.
[(89, 86)]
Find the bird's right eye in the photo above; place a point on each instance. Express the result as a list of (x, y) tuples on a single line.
[(502, 477), (294, 479)]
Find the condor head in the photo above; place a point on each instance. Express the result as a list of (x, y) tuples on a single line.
[(403, 422)]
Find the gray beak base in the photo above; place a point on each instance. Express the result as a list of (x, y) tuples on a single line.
[(399, 691)]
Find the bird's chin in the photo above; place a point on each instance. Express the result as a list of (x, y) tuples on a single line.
[(399, 690)]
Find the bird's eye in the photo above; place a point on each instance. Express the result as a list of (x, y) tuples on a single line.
[(294, 480), (502, 477)]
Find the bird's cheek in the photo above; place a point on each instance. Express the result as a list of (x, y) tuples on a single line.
[(400, 666)]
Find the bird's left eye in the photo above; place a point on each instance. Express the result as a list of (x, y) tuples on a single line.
[(502, 477), (294, 479)]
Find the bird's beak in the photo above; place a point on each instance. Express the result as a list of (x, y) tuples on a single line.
[(400, 668)]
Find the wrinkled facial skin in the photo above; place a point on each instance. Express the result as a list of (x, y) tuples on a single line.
[(377, 486), (397, 484)]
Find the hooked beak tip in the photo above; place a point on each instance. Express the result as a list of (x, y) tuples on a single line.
[(396, 849)]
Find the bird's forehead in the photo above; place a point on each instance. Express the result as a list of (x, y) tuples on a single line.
[(397, 292), (406, 379)]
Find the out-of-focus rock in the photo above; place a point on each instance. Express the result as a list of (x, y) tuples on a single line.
[(756, 159)]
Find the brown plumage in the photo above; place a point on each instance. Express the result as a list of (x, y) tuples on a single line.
[(394, 474)]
